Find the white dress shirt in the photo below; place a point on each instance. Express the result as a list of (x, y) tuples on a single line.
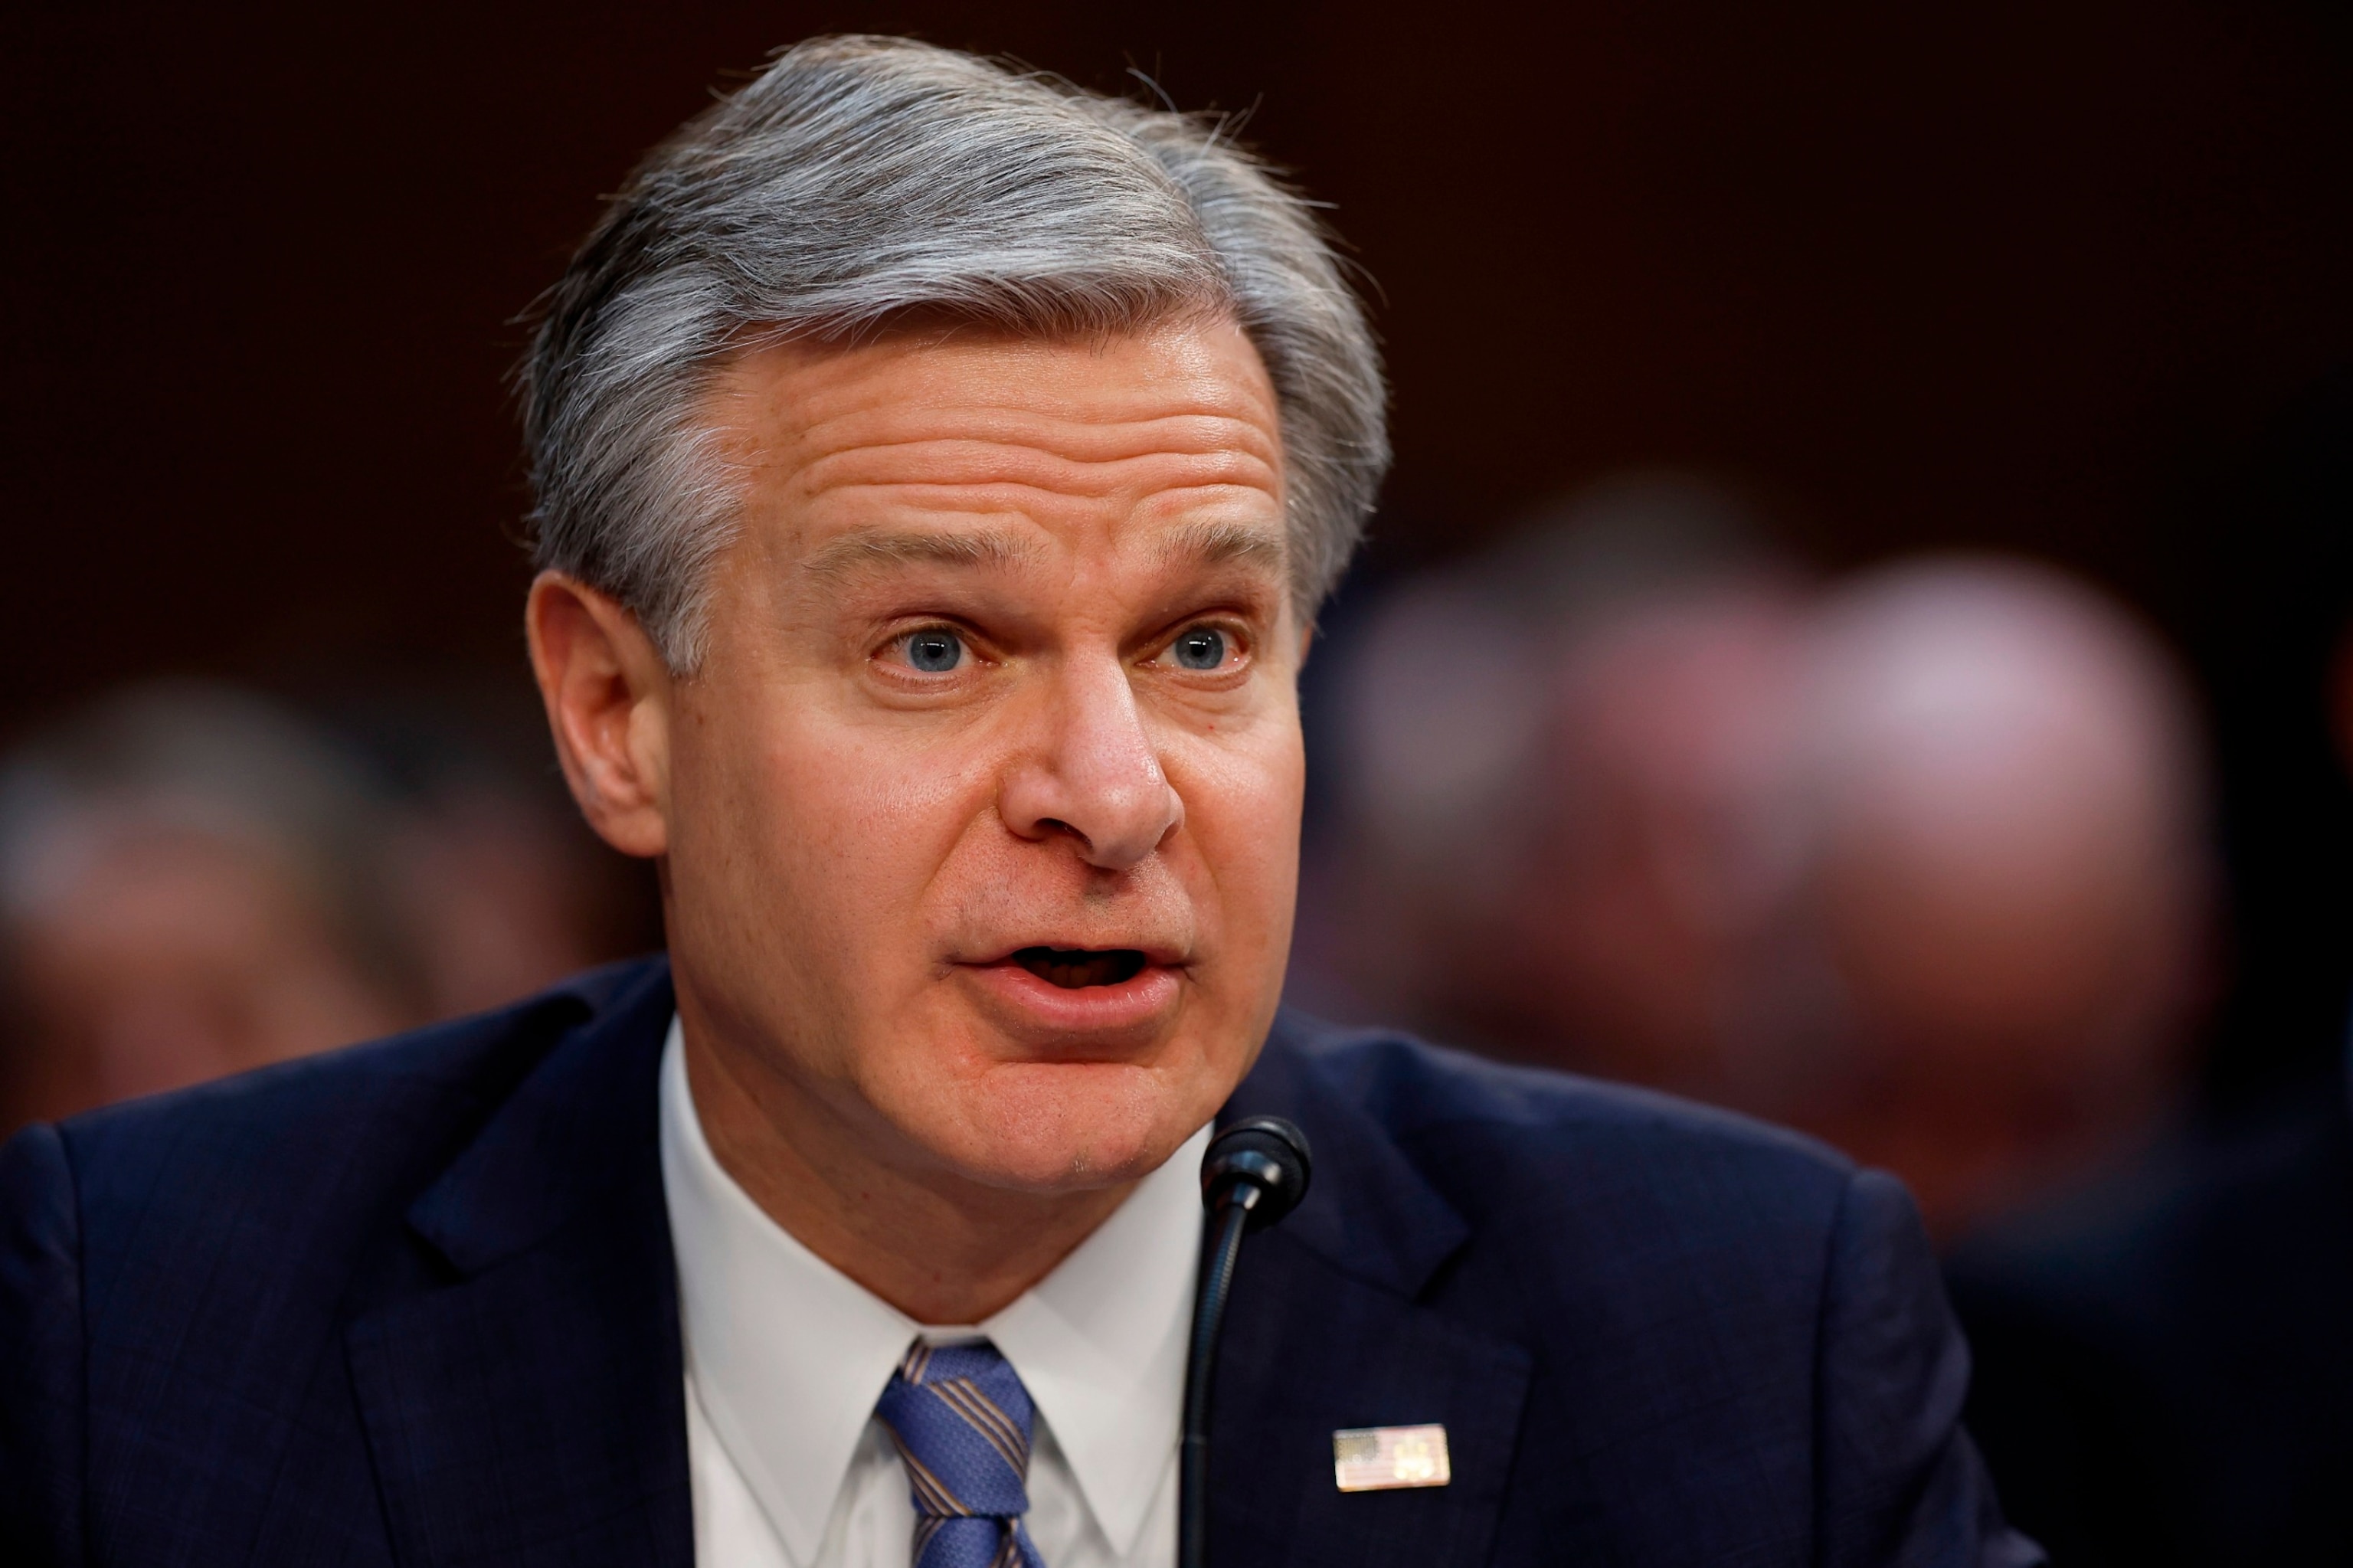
[(785, 1357)]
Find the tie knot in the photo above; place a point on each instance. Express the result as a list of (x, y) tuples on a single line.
[(961, 1420)]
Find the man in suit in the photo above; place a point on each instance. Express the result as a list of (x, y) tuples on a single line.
[(936, 472)]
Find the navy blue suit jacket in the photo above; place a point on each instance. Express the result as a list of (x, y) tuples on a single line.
[(415, 1303)]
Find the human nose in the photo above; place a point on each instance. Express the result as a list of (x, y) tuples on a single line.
[(1095, 777)]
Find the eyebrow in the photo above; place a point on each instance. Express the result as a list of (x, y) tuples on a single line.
[(1204, 543), (1213, 544), (871, 547)]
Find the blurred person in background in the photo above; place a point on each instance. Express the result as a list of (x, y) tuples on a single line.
[(503, 899), (2165, 1365), (504, 888), (192, 883), (1916, 864), (2009, 885), (195, 880), (1561, 765)]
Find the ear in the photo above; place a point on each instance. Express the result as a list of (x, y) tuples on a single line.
[(609, 704)]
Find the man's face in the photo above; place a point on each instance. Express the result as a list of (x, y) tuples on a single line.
[(983, 805)]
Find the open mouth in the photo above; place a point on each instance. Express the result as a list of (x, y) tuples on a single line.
[(1075, 969)]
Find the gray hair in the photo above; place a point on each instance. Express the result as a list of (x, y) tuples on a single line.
[(862, 180)]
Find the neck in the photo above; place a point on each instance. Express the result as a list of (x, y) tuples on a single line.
[(941, 1248)]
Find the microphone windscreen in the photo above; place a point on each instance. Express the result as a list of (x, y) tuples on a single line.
[(1261, 1163)]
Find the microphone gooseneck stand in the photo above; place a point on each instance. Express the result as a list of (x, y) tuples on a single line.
[(1254, 1173)]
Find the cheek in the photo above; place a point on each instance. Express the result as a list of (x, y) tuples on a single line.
[(839, 831), (800, 884), (1242, 795)]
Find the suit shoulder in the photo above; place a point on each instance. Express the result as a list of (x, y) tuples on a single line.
[(302, 1139), (1547, 1138), (1408, 1084), (1570, 1212)]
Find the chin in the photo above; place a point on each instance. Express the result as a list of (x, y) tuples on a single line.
[(1069, 1126)]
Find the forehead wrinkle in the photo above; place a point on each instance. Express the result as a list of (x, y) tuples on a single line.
[(934, 463), (1107, 423), (1082, 432)]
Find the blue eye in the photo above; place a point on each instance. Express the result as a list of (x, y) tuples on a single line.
[(935, 653), (1203, 648)]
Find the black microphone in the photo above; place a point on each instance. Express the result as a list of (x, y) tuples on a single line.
[(1254, 1173)]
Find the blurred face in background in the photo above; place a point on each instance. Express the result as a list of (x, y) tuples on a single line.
[(979, 815), (1570, 838), (1657, 861), (196, 879), (1915, 861), (146, 956), (2010, 881)]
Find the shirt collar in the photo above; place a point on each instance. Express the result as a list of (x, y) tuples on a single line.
[(789, 1355)]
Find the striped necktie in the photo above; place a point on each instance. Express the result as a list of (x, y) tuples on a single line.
[(961, 1420)]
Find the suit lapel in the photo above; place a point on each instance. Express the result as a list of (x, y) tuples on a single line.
[(531, 1410), (1326, 1332), (527, 1406)]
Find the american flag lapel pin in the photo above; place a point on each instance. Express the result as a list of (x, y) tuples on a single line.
[(1383, 1458)]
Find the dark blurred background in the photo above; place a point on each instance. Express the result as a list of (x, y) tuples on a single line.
[(2035, 276), (2030, 275), (1914, 440), (2064, 281), (2039, 277)]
